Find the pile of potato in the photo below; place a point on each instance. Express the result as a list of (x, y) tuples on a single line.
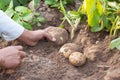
[(71, 51)]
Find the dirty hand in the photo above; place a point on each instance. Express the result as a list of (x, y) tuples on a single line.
[(47, 35), (10, 57)]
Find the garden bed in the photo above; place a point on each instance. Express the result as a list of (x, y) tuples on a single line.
[(44, 62)]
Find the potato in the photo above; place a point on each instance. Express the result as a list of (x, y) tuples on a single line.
[(77, 59), (68, 48), (60, 34)]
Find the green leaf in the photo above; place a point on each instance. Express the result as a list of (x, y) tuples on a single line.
[(39, 24), (10, 12), (16, 17), (90, 6), (36, 2), (102, 23), (62, 8), (99, 7), (95, 11), (93, 19), (74, 14), (62, 26), (96, 29), (49, 2), (4, 4), (56, 5), (27, 16), (21, 8), (36, 14), (92, 12), (27, 25), (115, 43), (41, 19), (118, 47), (10, 5)]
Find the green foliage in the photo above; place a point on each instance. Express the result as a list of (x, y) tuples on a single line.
[(114, 17), (4, 4), (36, 2), (102, 14), (95, 12), (72, 17), (20, 2), (38, 19), (56, 3), (18, 11), (115, 26), (115, 43)]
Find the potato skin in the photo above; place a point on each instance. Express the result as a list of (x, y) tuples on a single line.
[(69, 48), (60, 34), (77, 59)]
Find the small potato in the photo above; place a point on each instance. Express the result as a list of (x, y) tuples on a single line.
[(67, 53), (60, 34), (77, 59), (68, 48)]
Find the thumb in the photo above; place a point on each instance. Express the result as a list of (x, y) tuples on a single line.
[(50, 37), (22, 54)]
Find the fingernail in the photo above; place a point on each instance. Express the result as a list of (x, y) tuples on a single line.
[(53, 39)]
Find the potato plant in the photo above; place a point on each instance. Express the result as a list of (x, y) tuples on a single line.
[(72, 17), (56, 3), (96, 14)]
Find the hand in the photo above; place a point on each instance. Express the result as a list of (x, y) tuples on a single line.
[(31, 38), (47, 35), (10, 57)]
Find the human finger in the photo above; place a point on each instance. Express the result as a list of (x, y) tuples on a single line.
[(48, 28), (50, 37), (22, 54), (19, 47)]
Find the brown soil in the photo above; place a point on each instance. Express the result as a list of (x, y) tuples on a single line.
[(43, 61)]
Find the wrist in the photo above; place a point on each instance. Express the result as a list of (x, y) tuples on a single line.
[(38, 34)]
